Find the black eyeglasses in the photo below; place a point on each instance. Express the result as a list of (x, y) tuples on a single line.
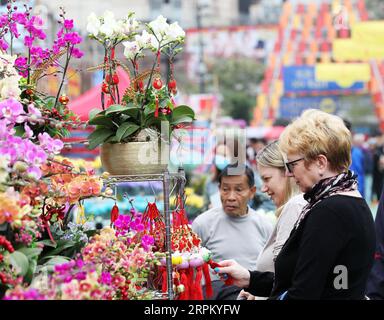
[(289, 165)]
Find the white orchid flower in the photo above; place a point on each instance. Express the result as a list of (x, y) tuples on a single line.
[(109, 26), (175, 32), (159, 26), (107, 30), (146, 40), (131, 49), (10, 88), (127, 26), (93, 26), (134, 24)]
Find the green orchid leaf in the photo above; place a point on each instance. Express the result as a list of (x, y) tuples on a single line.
[(150, 108), (95, 112), (48, 243), (31, 271), (61, 246), (20, 262), (30, 253), (131, 111), (182, 111), (125, 130), (183, 119), (152, 120), (111, 139), (98, 137), (116, 108), (101, 120)]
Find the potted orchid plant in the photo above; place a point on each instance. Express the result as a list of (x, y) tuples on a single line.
[(145, 115)]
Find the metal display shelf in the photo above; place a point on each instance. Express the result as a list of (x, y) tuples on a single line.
[(166, 178)]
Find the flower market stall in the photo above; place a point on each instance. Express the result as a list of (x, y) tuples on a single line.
[(48, 249)]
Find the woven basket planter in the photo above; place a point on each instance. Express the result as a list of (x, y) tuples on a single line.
[(135, 158)]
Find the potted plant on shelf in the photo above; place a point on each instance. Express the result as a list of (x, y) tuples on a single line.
[(134, 127)]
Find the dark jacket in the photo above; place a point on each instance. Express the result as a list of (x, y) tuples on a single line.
[(336, 234), (375, 285)]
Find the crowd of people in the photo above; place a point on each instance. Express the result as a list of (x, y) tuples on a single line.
[(323, 242)]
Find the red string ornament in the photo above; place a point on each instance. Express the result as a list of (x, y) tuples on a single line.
[(152, 217), (114, 214), (188, 257)]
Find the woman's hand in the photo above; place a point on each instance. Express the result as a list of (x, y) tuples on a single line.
[(240, 275), (244, 295)]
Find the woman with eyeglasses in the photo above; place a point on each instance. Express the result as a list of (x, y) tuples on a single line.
[(289, 203), (330, 251)]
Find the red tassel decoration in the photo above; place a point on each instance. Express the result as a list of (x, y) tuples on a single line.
[(113, 53), (184, 281), (164, 286), (208, 282), (190, 273), (157, 107), (114, 214), (198, 293), (153, 217)]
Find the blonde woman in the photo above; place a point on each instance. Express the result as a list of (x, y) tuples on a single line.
[(288, 200), (330, 252)]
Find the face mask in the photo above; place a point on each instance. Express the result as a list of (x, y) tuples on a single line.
[(221, 162)]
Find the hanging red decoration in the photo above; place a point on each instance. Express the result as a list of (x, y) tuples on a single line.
[(157, 107), (157, 84), (114, 214), (63, 99), (172, 86), (188, 258), (152, 217), (105, 87)]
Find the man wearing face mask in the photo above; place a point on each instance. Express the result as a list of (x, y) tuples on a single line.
[(233, 229), (212, 195)]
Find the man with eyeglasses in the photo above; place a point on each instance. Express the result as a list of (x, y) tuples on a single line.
[(233, 230)]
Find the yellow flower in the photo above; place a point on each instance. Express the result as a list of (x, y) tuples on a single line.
[(188, 191)]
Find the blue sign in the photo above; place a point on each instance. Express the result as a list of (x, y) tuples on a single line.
[(301, 79), (293, 107)]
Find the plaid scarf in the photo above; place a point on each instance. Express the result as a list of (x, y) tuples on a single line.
[(344, 182)]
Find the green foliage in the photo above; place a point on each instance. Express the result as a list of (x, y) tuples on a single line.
[(120, 123), (238, 80), (20, 262)]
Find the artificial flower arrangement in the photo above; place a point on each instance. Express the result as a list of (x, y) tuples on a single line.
[(136, 114)]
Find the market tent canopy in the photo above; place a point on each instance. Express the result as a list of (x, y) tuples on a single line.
[(91, 99)]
